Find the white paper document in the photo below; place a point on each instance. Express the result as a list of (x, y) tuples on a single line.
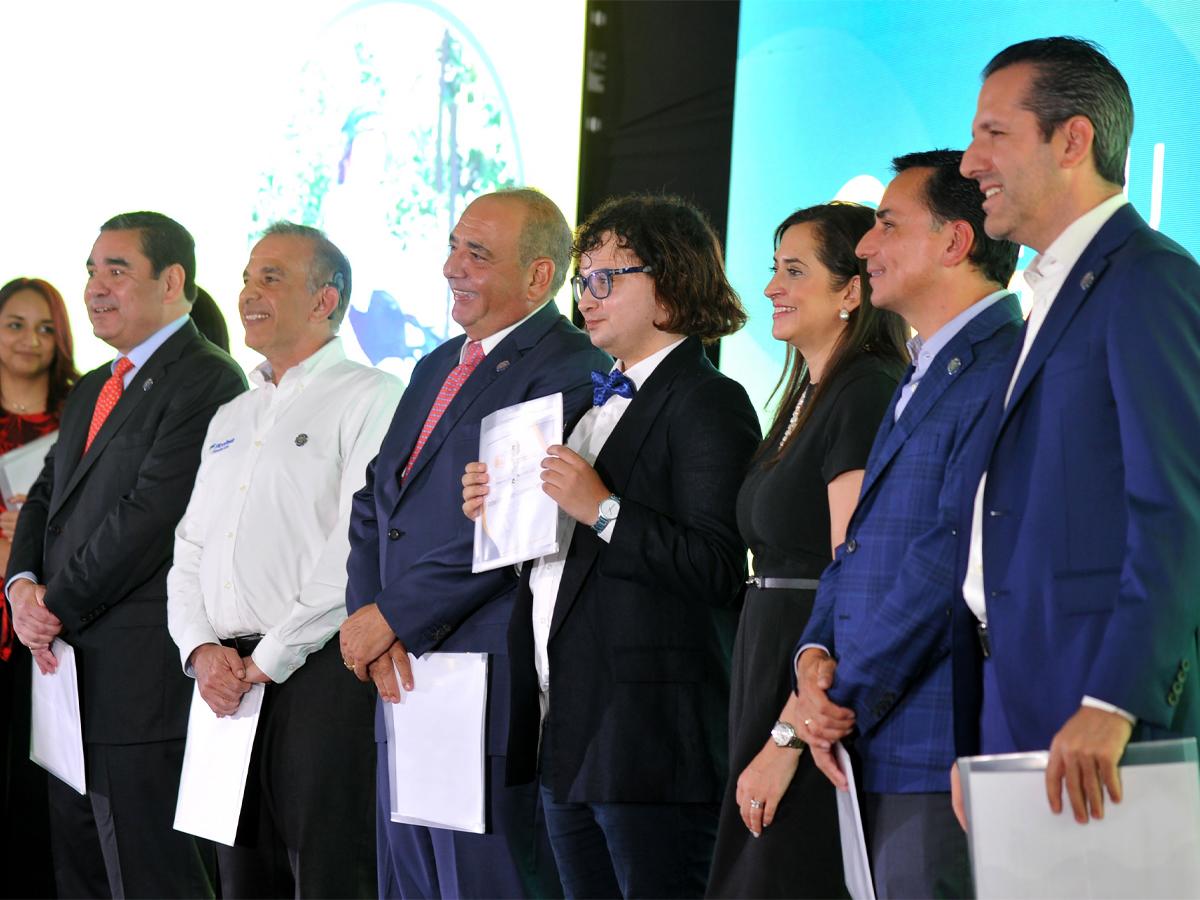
[(519, 520), (56, 739), (1148, 845), (20, 467), (216, 762), (856, 864), (436, 743)]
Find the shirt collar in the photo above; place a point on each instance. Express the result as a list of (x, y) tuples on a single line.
[(331, 353), (490, 342), (639, 372), (1065, 250), (141, 354), (927, 349)]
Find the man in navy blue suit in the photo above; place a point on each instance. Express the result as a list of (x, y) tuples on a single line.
[(880, 624), (410, 584), (1080, 567)]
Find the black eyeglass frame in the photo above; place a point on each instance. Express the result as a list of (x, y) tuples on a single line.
[(606, 277)]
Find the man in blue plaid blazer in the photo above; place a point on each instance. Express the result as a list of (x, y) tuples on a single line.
[(879, 637)]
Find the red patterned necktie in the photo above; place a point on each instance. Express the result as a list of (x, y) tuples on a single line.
[(455, 380), (109, 395)]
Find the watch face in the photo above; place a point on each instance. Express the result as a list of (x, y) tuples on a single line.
[(782, 733), (609, 509)]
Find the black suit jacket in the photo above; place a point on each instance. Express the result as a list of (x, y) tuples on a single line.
[(643, 627), (98, 531)]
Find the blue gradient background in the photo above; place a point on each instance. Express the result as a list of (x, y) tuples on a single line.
[(828, 91)]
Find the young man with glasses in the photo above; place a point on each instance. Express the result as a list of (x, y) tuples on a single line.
[(620, 642)]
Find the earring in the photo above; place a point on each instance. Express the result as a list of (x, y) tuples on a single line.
[(844, 314)]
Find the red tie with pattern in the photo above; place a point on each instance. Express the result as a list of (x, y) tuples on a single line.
[(455, 380), (109, 395)]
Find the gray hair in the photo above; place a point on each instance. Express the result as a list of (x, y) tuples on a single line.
[(329, 266), (545, 232)]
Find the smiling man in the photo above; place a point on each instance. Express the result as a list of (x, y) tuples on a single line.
[(411, 588), (882, 610), (257, 591), (1079, 631), (91, 553)]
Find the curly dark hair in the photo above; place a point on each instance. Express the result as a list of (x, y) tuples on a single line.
[(675, 239)]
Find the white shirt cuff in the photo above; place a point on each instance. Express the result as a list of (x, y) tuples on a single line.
[(1108, 707), (800, 652), (20, 576), (607, 533)]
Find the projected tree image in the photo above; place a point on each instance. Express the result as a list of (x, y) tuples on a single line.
[(383, 151)]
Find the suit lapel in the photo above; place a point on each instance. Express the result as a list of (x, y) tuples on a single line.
[(502, 358), (144, 381), (948, 366), (1078, 286), (615, 465)]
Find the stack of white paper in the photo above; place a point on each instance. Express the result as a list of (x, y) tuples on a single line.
[(56, 739)]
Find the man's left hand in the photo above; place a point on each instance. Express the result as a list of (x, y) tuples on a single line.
[(573, 484), (365, 637), (1085, 753), (254, 674)]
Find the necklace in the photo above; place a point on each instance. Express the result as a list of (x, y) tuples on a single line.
[(787, 433), (15, 407)]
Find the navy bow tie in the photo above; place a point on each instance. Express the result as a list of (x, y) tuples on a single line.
[(605, 384)]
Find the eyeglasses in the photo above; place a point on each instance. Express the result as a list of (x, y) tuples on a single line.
[(599, 281)]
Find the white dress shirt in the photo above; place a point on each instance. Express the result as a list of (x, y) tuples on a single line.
[(587, 439), (1045, 276), (262, 547)]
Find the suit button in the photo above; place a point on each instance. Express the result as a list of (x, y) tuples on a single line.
[(1184, 665), (55, 530), (851, 545), (394, 534)]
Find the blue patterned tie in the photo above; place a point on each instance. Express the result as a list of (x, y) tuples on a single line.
[(605, 384)]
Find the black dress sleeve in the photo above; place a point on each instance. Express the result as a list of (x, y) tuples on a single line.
[(854, 417)]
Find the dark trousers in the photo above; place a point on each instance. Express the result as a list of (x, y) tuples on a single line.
[(307, 824), (916, 846), (513, 859), (130, 811), (631, 849)]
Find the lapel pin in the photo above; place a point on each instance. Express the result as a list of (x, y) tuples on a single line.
[(301, 439), (953, 366), (502, 365), (1087, 281), (147, 384)]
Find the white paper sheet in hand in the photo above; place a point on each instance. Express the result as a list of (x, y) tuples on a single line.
[(215, 764), (856, 864), (56, 740), (1148, 845), (20, 467), (519, 520), (436, 743)]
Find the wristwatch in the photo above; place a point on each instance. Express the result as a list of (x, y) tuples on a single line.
[(784, 735), (610, 506)]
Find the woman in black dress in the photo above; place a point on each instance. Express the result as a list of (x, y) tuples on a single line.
[(844, 360)]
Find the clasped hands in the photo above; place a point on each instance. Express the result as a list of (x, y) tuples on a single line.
[(36, 626), (567, 478), (224, 676)]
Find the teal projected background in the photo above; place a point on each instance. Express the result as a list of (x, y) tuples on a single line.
[(828, 93)]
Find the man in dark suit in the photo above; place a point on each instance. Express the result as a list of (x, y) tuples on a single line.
[(621, 640), (882, 609), (91, 553), (1080, 563), (410, 583)]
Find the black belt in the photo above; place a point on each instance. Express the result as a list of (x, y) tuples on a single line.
[(985, 644), (244, 644), (789, 584)]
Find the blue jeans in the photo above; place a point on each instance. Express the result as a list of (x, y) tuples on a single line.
[(631, 849)]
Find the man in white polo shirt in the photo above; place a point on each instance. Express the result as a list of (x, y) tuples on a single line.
[(257, 589)]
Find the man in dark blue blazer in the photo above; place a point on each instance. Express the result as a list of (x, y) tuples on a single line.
[(410, 584), (1083, 552), (881, 618)]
